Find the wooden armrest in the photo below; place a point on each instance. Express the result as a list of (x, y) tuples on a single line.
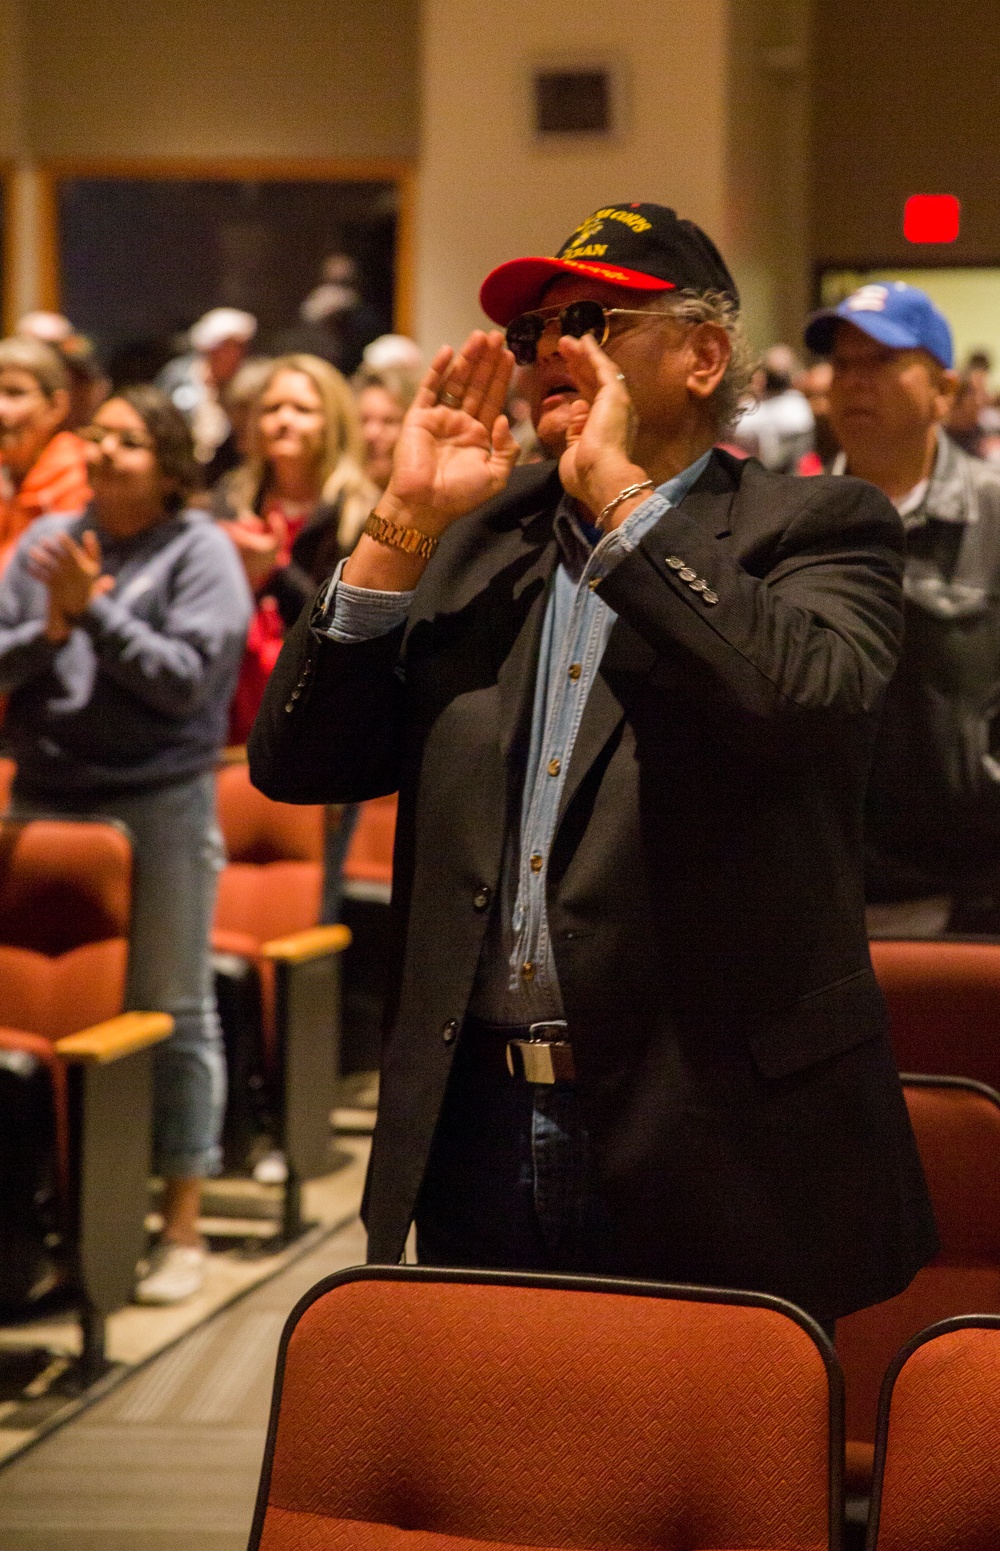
[(317, 942), (117, 1037)]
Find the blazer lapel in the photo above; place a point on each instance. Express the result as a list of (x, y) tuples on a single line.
[(516, 677)]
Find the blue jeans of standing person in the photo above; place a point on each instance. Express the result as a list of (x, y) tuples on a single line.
[(336, 844), (178, 854), (510, 1183)]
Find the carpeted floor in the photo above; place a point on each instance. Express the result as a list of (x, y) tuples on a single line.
[(169, 1460)]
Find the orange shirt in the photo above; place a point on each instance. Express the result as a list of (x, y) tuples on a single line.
[(56, 482)]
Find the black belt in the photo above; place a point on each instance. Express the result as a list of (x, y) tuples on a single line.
[(538, 1053)]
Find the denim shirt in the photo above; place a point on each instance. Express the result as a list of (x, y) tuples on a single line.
[(516, 982)]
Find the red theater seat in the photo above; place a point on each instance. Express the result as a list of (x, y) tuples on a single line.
[(430, 1409), (369, 855), (267, 914), (957, 1126), (65, 898), (937, 1470), (272, 883), (944, 1006)]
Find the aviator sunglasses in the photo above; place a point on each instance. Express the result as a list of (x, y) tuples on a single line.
[(576, 320)]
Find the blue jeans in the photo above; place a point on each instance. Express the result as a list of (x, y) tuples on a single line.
[(178, 854), (510, 1183), (336, 844)]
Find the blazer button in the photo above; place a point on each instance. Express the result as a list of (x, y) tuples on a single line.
[(450, 1031), (481, 897), (289, 706)]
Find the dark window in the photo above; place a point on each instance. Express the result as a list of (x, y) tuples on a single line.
[(572, 102), (141, 259)]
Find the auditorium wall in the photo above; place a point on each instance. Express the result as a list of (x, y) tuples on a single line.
[(712, 117), (904, 98), (219, 78)]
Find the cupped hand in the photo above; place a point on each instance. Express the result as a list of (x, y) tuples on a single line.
[(70, 571), (449, 460), (597, 463)]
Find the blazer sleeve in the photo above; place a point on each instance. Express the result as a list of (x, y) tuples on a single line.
[(330, 725), (808, 622)]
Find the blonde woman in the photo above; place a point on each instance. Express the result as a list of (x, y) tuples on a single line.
[(294, 508)]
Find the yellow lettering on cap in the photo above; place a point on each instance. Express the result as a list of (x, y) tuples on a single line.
[(638, 223)]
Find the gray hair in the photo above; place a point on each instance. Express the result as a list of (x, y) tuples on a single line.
[(719, 308), (38, 360)]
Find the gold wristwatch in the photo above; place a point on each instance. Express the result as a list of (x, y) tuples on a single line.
[(410, 540)]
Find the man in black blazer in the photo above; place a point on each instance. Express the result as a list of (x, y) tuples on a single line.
[(628, 702)]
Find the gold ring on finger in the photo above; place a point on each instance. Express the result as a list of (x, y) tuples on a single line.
[(451, 400)]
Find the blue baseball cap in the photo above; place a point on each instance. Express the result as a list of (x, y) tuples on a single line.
[(890, 311)]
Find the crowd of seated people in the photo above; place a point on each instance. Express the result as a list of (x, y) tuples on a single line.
[(158, 542)]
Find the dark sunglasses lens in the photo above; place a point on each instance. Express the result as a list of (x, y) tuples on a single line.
[(523, 335), (581, 318)]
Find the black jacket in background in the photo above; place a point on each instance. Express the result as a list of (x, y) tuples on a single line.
[(933, 809)]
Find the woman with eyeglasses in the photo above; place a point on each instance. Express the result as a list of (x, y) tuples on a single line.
[(121, 635), (294, 508)]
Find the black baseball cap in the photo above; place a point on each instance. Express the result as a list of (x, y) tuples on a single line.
[(640, 247)]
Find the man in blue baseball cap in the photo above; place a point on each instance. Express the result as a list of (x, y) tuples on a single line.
[(933, 807)]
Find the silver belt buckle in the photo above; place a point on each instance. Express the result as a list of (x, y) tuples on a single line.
[(545, 1057)]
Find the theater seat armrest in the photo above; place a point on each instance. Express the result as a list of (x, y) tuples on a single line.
[(115, 1038), (317, 942)]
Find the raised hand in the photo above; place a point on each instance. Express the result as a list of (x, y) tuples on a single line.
[(260, 543), (597, 463), (455, 449), (72, 574)]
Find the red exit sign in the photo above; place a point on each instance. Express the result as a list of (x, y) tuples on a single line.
[(931, 218)]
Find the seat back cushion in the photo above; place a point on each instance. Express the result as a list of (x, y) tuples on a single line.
[(546, 1417), (958, 1134), (63, 883), (258, 830), (944, 1006), (941, 1482), (369, 855), (268, 900), (53, 996)]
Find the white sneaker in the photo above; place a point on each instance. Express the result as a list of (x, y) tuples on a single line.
[(171, 1273), (272, 1169)]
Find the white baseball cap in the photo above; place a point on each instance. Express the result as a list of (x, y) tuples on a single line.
[(220, 324)]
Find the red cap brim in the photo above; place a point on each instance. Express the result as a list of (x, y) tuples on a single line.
[(516, 286)]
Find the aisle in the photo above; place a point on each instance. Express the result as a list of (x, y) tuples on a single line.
[(169, 1460)]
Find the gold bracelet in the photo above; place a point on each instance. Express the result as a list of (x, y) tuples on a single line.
[(410, 540)]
